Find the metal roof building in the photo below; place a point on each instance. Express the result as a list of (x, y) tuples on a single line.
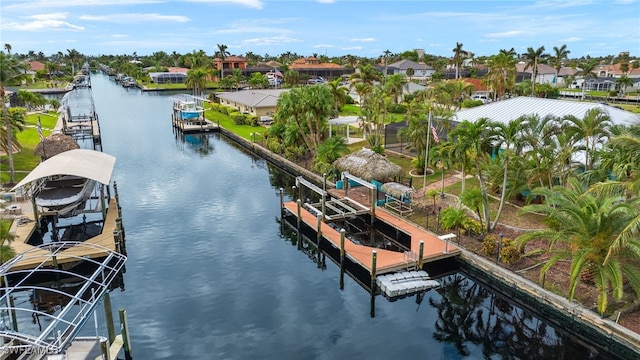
[(507, 110)]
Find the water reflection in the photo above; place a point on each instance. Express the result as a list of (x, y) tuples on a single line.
[(198, 143)]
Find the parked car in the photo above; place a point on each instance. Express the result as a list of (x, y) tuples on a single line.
[(483, 98), (318, 80)]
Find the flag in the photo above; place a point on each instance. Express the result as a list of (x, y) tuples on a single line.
[(278, 73), (435, 134), (40, 129)]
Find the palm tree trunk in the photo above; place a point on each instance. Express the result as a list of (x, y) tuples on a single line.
[(485, 197), (9, 135), (503, 193), (464, 179)]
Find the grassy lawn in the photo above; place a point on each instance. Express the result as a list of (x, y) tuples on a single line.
[(243, 130), (630, 107), (25, 160)]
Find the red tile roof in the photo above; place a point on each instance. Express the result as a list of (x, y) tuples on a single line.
[(477, 84), (36, 65)]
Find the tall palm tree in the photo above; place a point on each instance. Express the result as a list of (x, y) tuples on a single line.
[(386, 63), (506, 137), (458, 56), (6, 237), (537, 136), (624, 81), (559, 54), (410, 72), (584, 226), (593, 129), (476, 136), (10, 69), (197, 81), (339, 94), (8, 48), (73, 55), (502, 73), (533, 59), (366, 73), (395, 85), (222, 53), (587, 71)]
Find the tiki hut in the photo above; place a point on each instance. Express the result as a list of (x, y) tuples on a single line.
[(55, 144), (369, 165)]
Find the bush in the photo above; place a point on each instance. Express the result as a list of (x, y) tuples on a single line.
[(397, 108), (613, 93), (349, 100), (238, 118), (509, 253), (275, 145), (470, 103), (490, 245)]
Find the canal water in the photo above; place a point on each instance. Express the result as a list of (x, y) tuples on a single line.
[(210, 276)]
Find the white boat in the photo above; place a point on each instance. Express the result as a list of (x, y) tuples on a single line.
[(63, 194), (187, 110)]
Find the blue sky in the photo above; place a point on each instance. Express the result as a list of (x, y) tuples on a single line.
[(331, 27)]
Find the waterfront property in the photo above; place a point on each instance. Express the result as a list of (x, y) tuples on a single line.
[(257, 102)]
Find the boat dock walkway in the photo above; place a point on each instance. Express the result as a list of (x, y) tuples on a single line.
[(387, 261), (198, 126), (24, 226)]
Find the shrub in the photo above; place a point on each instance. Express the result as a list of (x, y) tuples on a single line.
[(472, 225), (490, 245), (397, 108), (349, 100), (509, 253), (613, 93), (238, 118), (251, 120), (470, 103)]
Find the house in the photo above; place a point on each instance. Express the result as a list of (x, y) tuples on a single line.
[(230, 63), (313, 67), (480, 90), (36, 66), (545, 75), (257, 102), (420, 70), (615, 71)]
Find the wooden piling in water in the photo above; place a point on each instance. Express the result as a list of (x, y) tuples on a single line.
[(319, 238), (374, 258), (108, 315), (299, 219), (420, 253), (281, 201), (126, 339)]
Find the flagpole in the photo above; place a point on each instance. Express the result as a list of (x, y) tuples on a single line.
[(426, 153)]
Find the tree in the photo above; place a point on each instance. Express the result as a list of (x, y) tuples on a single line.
[(16, 120), (502, 73), (8, 48), (532, 58), (624, 81), (386, 60), (197, 81), (73, 55), (222, 53), (338, 93), (410, 73), (259, 81), (458, 55), (593, 128), (453, 218), (395, 85), (559, 54), (587, 71), (366, 73), (197, 59), (584, 226), (476, 135), (10, 69), (6, 237), (309, 107), (331, 150), (506, 137)]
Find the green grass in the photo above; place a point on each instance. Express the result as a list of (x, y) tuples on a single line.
[(210, 85), (629, 107), (242, 130), (350, 110), (25, 160)]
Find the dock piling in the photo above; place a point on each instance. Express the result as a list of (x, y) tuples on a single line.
[(319, 238), (421, 251), (281, 201), (109, 318), (124, 326), (299, 219), (374, 258), (105, 348)]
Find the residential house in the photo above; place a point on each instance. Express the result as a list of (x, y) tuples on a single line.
[(420, 70), (480, 90), (257, 102), (230, 63), (615, 72), (312, 67), (546, 74)]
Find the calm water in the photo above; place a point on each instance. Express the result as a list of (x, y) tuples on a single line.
[(209, 275)]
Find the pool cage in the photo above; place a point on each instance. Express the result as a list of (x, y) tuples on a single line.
[(168, 77)]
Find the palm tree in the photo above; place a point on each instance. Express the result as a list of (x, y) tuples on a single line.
[(8, 48), (339, 94), (587, 71), (502, 73), (593, 128), (16, 119), (584, 227), (197, 81), (331, 150), (410, 72), (222, 53), (476, 135), (197, 59), (366, 73), (386, 60), (506, 136), (458, 55), (533, 59), (453, 218), (73, 55), (538, 136), (559, 54), (6, 251), (395, 85), (10, 69), (624, 81)]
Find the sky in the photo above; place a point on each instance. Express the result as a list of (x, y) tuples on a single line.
[(322, 27)]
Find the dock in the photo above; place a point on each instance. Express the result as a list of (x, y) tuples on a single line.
[(196, 126), (387, 261)]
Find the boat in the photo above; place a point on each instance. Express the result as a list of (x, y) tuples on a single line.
[(63, 193), (187, 110)]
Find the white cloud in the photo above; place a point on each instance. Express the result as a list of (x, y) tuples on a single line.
[(323, 46), (352, 48), (43, 22), (255, 4), (572, 39), (125, 18), (369, 39), (274, 40), (326, 1), (38, 4), (119, 36), (505, 34)]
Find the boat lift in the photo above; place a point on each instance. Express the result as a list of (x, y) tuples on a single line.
[(335, 209)]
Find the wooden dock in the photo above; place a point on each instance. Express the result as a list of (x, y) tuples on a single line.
[(197, 126), (24, 230), (387, 261)]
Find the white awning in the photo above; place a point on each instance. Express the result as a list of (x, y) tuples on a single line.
[(344, 120), (90, 164)]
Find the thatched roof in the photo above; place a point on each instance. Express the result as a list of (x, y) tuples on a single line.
[(368, 165), (396, 190), (55, 144)]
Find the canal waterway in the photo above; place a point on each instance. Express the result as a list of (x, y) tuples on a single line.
[(210, 276)]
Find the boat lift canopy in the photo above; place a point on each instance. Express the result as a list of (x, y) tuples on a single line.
[(64, 324), (90, 164)]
